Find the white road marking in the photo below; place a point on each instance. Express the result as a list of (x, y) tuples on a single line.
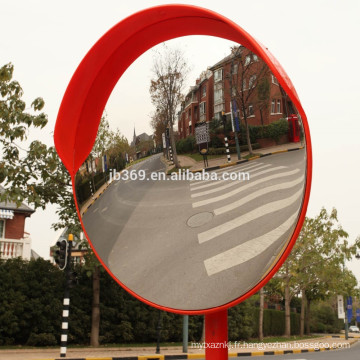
[(233, 168), (104, 209), (233, 183), (251, 215), (95, 210), (228, 169), (214, 182), (242, 188), (248, 250), (254, 195)]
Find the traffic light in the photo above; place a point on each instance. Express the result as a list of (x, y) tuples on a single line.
[(61, 254), (223, 117)]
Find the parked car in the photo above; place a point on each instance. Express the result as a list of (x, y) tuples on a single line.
[(354, 329)]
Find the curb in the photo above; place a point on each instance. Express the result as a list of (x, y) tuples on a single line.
[(202, 356), (343, 337), (83, 211), (95, 198), (245, 160)]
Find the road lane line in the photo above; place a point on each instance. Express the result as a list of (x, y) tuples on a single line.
[(250, 216), (235, 182), (213, 182), (248, 250), (256, 194), (242, 188)]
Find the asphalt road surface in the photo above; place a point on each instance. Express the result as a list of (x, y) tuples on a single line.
[(198, 244)]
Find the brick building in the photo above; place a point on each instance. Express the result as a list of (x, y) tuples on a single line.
[(14, 241), (254, 88), (248, 74), (198, 105)]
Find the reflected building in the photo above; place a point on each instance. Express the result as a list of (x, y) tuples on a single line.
[(141, 145), (255, 91)]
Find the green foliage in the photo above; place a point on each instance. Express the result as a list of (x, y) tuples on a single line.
[(30, 173), (30, 302), (187, 145), (324, 319), (274, 323), (240, 321), (42, 339), (232, 149), (276, 129)]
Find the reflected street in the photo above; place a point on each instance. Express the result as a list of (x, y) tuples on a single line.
[(168, 239)]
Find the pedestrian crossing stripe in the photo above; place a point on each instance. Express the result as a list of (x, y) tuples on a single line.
[(248, 250), (256, 194), (234, 183), (244, 187), (210, 182), (250, 216)]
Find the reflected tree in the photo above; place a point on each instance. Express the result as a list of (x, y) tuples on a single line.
[(170, 70)]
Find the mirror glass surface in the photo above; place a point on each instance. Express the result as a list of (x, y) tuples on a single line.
[(194, 239)]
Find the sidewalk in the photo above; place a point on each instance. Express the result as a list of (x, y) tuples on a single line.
[(222, 161), (143, 353)]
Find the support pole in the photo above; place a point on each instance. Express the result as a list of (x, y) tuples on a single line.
[(227, 149), (171, 155), (346, 320), (216, 332), (185, 333), (157, 351), (66, 303)]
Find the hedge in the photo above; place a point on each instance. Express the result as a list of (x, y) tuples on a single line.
[(274, 323), (31, 307), (273, 131), (222, 150)]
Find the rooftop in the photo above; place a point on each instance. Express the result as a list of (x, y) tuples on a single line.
[(13, 206)]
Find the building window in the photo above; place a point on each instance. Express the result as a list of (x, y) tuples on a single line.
[(202, 108), (252, 81), (2, 229), (204, 90), (218, 75), (273, 106), (218, 95), (251, 110), (274, 80), (279, 106), (233, 91), (247, 60), (235, 68)]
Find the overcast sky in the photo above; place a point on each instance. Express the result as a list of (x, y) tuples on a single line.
[(315, 41)]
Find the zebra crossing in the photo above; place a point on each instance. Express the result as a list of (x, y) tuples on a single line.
[(273, 194)]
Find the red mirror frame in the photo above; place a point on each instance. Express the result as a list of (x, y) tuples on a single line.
[(93, 81)]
